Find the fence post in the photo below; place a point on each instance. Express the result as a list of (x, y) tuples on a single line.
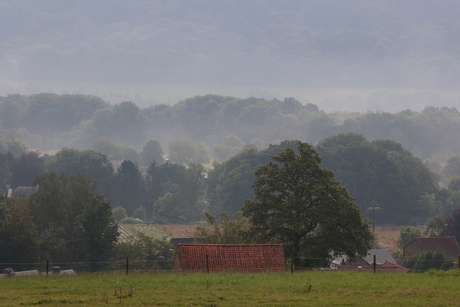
[(292, 264), (207, 263), (127, 266), (458, 262), (47, 266), (375, 263)]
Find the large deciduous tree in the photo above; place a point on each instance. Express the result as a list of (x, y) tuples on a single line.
[(381, 170), (300, 204), (75, 223)]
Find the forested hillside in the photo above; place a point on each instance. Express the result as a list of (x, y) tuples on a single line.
[(172, 163), (204, 128)]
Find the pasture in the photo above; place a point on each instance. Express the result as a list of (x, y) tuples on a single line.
[(307, 288)]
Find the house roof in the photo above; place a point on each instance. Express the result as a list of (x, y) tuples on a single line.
[(381, 256), (24, 191), (230, 257), (386, 267), (448, 245)]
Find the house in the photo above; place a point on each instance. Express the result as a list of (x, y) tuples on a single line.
[(381, 256), (448, 245), (383, 259), (229, 257), (24, 191)]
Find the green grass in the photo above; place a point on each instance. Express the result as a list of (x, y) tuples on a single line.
[(313, 288)]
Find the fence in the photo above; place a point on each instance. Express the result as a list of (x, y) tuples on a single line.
[(128, 265)]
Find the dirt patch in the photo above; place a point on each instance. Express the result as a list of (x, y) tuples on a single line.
[(387, 235)]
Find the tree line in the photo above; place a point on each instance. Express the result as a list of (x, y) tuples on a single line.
[(296, 202), (381, 172), (211, 127)]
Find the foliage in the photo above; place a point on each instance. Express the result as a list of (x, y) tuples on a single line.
[(454, 184), (6, 164), (129, 187), (18, 235), (97, 232), (300, 204), (114, 151), (382, 171), (152, 151), (230, 230), (184, 190), (452, 226), (435, 226), (182, 152), (74, 222), (147, 252), (24, 169), (139, 213), (16, 147), (119, 213), (407, 234), (229, 183), (428, 260), (90, 163)]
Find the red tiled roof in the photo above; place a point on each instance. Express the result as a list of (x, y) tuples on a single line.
[(229, 257), (448, 245), (387, 267)]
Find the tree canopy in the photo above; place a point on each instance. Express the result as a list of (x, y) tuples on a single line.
[(302, 205)]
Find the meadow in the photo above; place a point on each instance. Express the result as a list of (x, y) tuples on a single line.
[(307, 288)]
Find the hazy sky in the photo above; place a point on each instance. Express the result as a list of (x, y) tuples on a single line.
[(341, 55)]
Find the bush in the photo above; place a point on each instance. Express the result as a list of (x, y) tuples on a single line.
[(407, 234), (119, 213), (428, 260)]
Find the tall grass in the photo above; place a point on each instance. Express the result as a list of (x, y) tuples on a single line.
[(315, 288)]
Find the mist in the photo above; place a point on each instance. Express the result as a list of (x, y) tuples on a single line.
[(342, 56)]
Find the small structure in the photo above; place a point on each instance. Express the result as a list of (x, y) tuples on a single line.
[(386, 267), (448, 245), (229, 257)]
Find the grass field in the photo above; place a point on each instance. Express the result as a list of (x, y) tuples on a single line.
[(312, 288)]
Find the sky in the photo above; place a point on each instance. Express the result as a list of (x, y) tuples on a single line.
[(343, 56)]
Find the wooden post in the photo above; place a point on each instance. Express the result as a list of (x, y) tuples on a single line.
[(458, 262), (292, 264), (207, 263), (127, 266), (375, 263), (47, 266)]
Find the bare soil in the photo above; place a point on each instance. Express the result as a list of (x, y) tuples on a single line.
[(387, 235)]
